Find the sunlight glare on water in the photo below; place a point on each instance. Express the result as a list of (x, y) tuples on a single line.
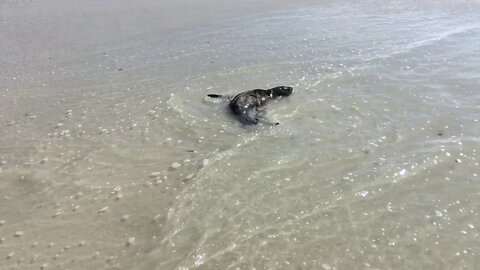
[(364, 171)]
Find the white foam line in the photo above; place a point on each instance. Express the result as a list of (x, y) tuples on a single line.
[(429, 41)]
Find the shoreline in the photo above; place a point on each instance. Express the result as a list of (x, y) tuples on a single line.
[(111, 158)]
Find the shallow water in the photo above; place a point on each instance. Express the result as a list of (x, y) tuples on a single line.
[(374, 164)]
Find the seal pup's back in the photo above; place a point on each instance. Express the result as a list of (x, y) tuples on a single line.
[(249, 106)]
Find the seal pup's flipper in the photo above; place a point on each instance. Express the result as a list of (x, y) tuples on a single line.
[(265, 120), (217, 98), (262, 117), (256, 116), (220, 96)]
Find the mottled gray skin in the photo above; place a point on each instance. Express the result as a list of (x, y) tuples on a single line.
[(249, 106)]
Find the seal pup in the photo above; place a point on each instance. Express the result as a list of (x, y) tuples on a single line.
[(249, 106)]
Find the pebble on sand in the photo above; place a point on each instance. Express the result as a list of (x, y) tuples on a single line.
[(155, 174), (175, 165), (326, 266), (78, 195), (116, 189), (125, 217), (45, 159), (18, 233), (10, 255), (103, 210), (2, 222), (130, 241)]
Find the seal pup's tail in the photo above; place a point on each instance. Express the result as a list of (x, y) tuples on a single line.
[(223, 97)]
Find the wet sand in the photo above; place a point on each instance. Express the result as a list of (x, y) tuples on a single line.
[(112, 158), (81, 188)]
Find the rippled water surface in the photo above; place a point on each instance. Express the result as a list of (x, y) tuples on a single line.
[(374, 164)]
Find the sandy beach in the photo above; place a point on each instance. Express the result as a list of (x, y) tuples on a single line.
[(112, 157), (80, 187)]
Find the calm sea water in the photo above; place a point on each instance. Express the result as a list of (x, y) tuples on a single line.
[(374, 165)]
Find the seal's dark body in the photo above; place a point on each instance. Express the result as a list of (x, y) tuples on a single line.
[(249, 106)]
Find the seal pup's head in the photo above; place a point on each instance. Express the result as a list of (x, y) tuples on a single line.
[(281, 91)]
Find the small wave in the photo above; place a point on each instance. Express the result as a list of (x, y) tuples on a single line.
[(439, 37), (443, 36)]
